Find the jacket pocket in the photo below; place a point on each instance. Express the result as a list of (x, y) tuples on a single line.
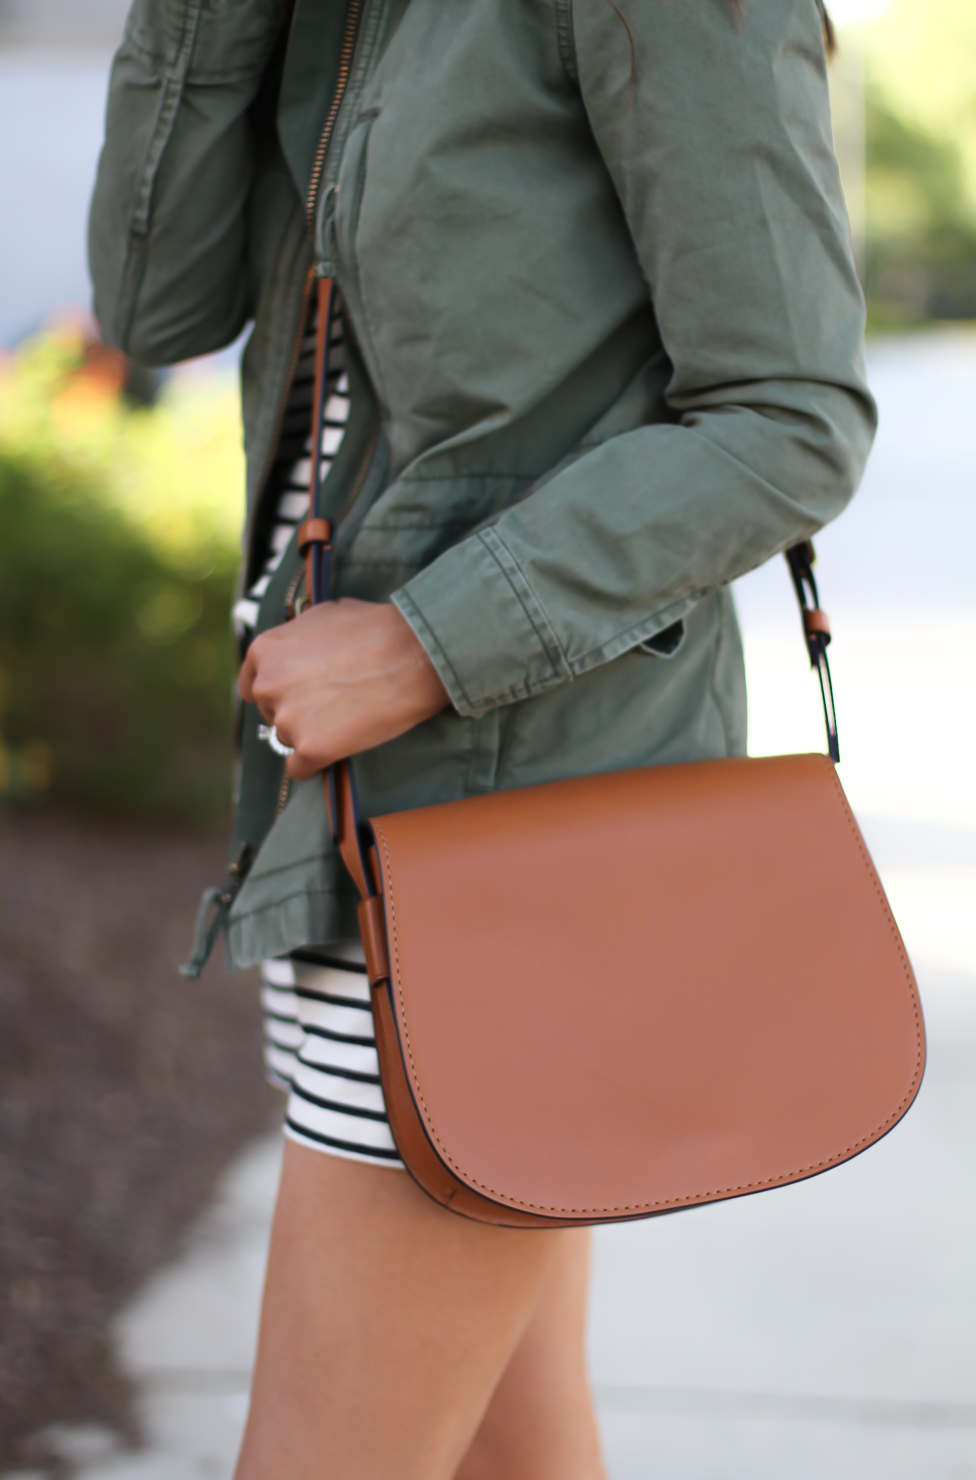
[(348, 198)]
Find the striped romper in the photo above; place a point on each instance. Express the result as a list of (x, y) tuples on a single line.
[(318, 1026)]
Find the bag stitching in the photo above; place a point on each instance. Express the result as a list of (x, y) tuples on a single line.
[(715, 1192)]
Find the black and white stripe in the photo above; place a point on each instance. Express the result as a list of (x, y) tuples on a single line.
[(319, 1045), (292, 468)]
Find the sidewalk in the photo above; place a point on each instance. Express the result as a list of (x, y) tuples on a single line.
[(826, 1331)]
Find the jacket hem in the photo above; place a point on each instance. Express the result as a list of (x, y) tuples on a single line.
[(307, 917)]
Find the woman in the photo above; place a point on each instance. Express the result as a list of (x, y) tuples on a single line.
[(597, 353)]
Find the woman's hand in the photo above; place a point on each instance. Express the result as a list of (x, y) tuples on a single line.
[(341, 678)]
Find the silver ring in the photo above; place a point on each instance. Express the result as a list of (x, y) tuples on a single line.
[(270, 734)]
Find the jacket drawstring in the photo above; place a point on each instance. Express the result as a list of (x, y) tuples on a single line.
[(221, 898)]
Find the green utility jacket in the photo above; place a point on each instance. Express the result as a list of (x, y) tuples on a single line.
[(606, 353)]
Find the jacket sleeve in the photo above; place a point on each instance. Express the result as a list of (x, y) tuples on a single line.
[(717, 136), (167, 235)]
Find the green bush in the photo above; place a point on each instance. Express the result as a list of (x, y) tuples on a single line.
[(921, 245), (116, 656)]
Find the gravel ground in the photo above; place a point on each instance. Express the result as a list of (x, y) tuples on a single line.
[(124, 1092)]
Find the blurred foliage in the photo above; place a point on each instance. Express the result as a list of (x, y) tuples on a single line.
[(921, 57), (117, 566), (920, 257)]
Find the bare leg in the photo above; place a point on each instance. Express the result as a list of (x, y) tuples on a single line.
[(386, 1325), (540, 1424)]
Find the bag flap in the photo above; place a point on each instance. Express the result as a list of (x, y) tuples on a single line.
[(631, 992)]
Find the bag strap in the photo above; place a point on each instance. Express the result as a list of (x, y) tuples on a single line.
[(801, 559), (315, 543), (315, 533)]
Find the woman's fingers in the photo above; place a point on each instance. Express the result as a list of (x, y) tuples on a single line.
[(256, 682), (300, 768), (342, 678), (245, 679)]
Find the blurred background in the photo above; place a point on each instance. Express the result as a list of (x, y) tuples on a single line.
[(828, 1330)]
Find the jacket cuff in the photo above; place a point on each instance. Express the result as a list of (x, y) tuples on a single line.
[(493, 648)]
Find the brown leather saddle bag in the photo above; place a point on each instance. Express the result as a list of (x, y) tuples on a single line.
[(628, 993)]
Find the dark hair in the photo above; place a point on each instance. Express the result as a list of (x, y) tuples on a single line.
[(830, 35)]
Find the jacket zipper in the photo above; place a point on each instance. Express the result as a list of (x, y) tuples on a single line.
[(318, 163), (283, 795), (322, 149), (345, 63)]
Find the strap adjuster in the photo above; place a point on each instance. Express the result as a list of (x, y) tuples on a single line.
[(314, 532)]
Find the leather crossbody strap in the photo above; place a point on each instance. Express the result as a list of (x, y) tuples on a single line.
[(315, 535), (315, 543)]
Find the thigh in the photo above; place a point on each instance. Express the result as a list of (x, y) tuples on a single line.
[(385, 1326), (540, 1423)]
